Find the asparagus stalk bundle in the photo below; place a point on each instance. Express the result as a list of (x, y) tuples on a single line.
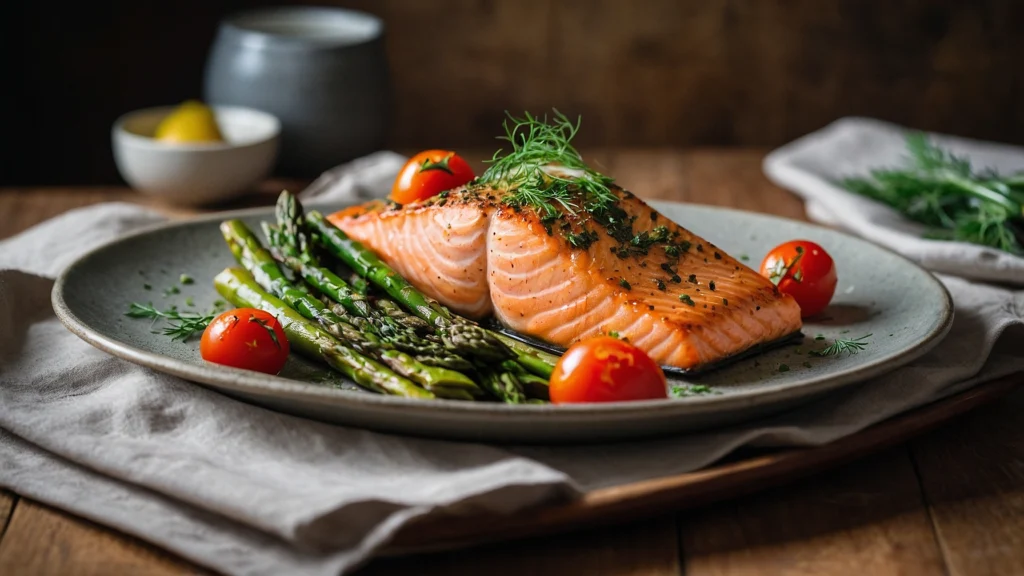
[(312, 341), (290, 244), (266, 273)]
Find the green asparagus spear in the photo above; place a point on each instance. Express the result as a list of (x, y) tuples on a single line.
[(459, 334), (290, 244), (536, 361), (534, 386), (368, 265), (504, 385), (310, 340), (251, 254)]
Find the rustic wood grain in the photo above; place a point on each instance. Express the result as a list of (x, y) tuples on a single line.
[(864, 518), (973, 479), (41, 540), (661, 73), (8, 500), (648, 547)]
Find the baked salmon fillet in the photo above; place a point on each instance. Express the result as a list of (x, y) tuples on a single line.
[(562, 275)]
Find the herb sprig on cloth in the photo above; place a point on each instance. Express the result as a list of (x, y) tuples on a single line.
[(945, 192)]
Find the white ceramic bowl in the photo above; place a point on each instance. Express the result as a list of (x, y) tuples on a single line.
[(196, 173)]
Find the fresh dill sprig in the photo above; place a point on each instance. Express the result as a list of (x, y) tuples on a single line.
[(180, 325), (529, 170), (842, 345), (943, 191)]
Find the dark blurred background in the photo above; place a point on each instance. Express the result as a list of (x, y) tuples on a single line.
[(642, 73)]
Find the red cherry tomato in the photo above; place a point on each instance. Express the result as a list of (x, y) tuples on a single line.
[(803, 270), (606, 369), (429, 173), (245, 338)]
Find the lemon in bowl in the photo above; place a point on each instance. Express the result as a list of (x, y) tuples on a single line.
[(192, 121), (193, 154)]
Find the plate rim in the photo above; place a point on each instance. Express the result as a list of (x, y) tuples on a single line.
[(252, 383)]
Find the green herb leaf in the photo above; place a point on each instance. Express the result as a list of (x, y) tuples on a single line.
[(944, 192), (685, 299), (185, 279), (180, 325), (840, 346)]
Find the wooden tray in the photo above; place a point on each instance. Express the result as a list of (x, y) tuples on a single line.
[(739, 476)]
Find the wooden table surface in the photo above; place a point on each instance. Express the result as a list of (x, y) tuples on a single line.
[(948, 502)]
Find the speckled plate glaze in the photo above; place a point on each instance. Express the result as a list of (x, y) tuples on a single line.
[(904, 308)]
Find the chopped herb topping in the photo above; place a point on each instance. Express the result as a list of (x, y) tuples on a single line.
[(711, 285), (583, 240), (171, 291), (625, 284), (675, 278), (190, 302), (185, 279), (744, 257), (692, 279), (685, 299), (147, 287), (660, 283), (779, 271), (683, 390), (268, 328)]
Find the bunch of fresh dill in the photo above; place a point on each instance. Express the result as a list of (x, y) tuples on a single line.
[(944, 192), (528, 169)]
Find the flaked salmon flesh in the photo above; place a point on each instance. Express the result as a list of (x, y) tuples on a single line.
[(687, 306)]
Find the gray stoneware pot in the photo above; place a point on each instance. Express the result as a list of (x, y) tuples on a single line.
[(322, 71)]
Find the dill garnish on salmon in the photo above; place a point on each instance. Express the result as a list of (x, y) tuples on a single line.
[(557, 251)]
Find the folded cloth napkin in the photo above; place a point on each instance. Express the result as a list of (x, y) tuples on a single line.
[(244, 490), (852, 147)]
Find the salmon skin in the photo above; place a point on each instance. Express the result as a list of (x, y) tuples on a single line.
[(565, 275)]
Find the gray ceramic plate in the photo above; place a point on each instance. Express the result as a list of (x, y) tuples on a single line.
[(904, 308)]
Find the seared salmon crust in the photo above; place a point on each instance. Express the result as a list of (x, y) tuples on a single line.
[(567, 275)]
